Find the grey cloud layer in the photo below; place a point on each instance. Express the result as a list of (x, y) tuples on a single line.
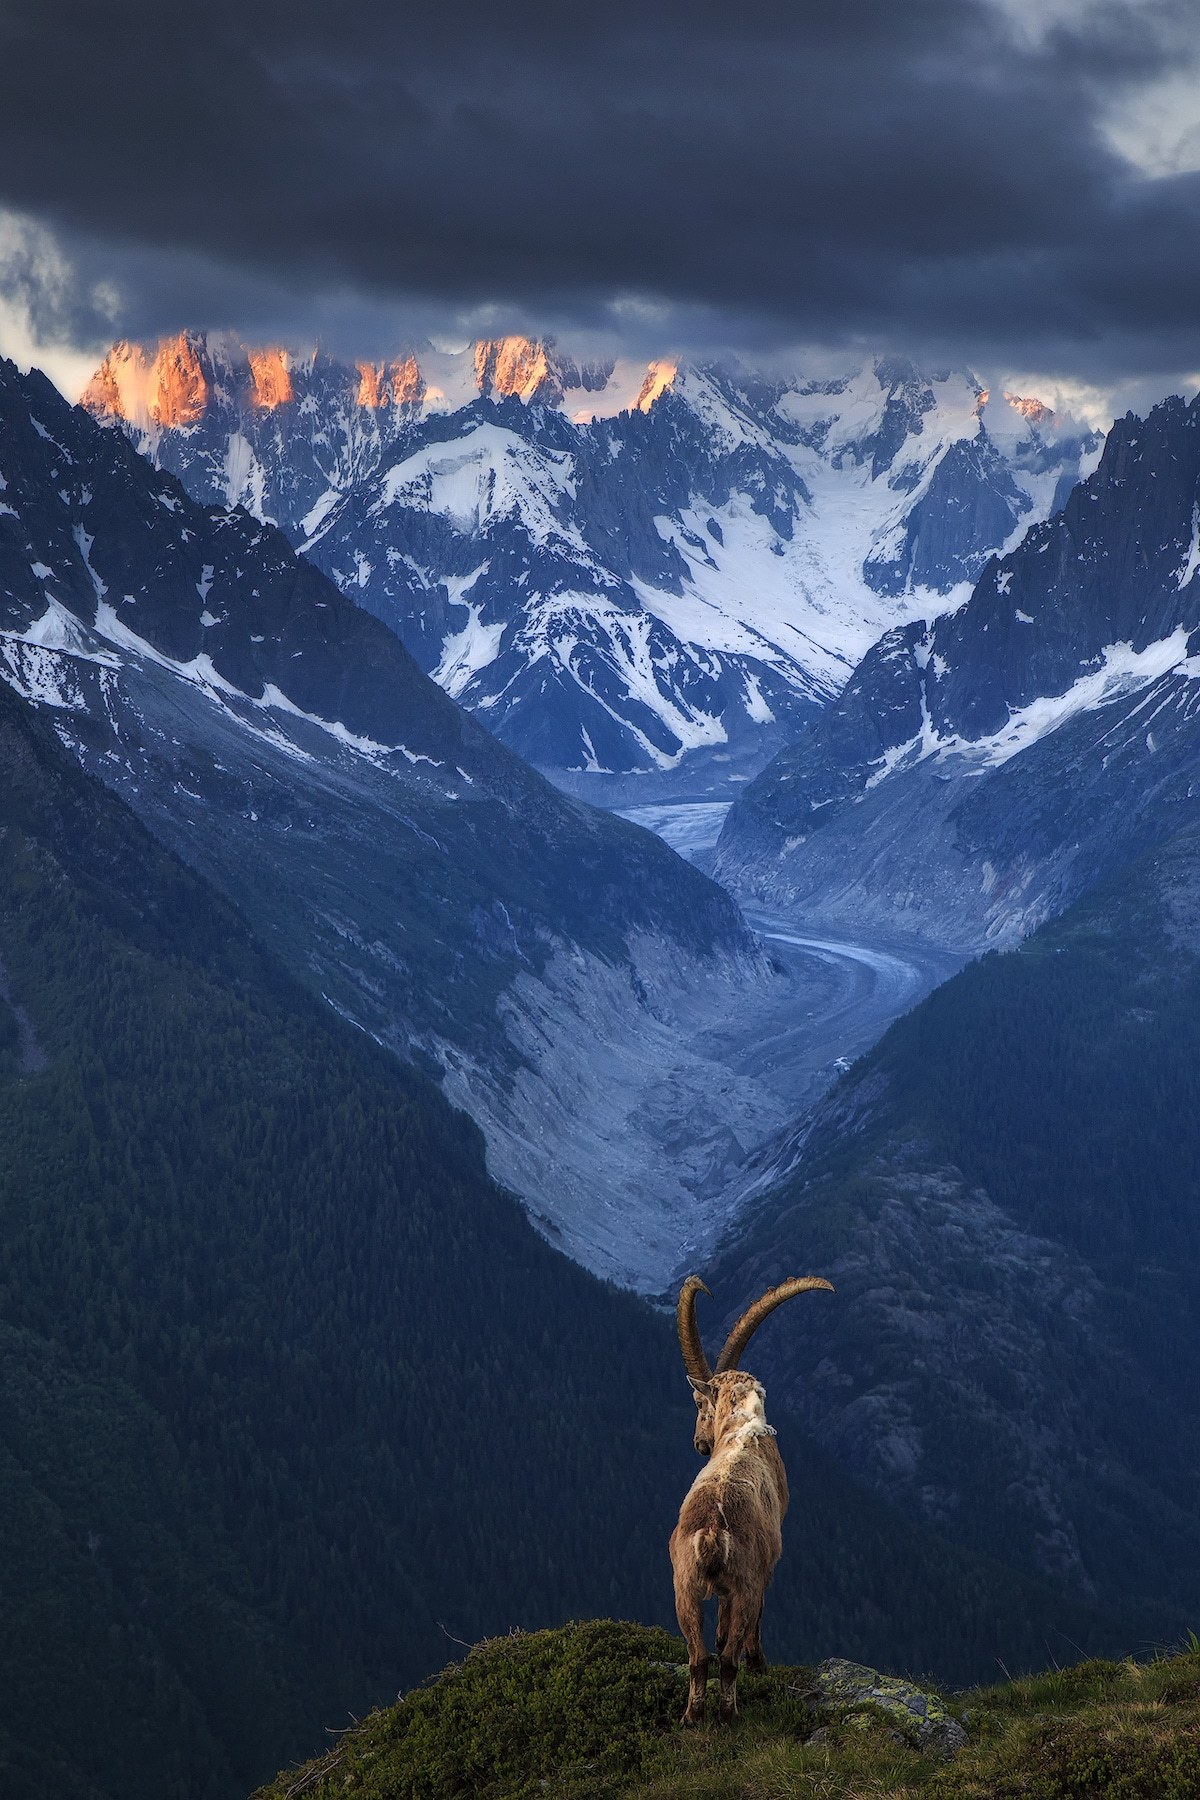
[(818, 170)]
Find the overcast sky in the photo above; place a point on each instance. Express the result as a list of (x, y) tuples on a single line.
[(1010, 183)]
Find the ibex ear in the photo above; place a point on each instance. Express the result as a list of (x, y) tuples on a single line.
[(699, 1387)]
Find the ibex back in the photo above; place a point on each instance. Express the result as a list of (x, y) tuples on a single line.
[(728, 1538)]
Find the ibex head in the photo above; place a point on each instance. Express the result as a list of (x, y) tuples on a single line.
[(706, 1382)]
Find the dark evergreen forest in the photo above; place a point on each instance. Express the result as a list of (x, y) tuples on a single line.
[(1011, 1182)]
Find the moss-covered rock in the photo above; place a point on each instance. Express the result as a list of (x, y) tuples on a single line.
[(922, 1718)]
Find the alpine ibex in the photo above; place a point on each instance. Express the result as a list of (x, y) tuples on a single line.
[(728, 1540)]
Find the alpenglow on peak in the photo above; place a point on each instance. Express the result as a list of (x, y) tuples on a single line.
[(621, 566)]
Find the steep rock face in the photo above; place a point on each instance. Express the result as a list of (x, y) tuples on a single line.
[(620, 567), (429, 884), (980, 771), (968, 509), (1005, 1194)]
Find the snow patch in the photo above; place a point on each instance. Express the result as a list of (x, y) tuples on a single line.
[(84, 544), (201, 671), (1192, 560), (1122, 670), (43, 663), (245, 478), (488, 474), (316, 516), (466, 652), (756, 704)]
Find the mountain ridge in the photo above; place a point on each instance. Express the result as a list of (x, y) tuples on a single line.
[(658, 570)]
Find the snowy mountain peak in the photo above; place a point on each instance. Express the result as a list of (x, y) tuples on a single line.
[(620, 565), (979, 769), (1036, 411)]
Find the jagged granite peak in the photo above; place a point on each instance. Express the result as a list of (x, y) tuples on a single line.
[(980, 769), (620, 566), (534, 369)]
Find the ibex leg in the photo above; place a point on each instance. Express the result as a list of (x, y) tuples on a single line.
[(741, 1621), (755, 1658), (690, 1612)]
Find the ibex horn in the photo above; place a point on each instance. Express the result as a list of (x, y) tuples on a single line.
[(694, 1359), (752, 1318)]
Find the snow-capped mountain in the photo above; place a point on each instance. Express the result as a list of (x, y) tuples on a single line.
[(620, 567), (981, 770), (558, 964)]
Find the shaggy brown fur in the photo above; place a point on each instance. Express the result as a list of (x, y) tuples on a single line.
[(728, 1540)]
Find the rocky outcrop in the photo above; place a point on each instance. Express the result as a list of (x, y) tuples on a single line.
[(863, 1696)]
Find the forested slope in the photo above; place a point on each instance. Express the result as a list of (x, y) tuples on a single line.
[(218, 1200), (1007, 1193)]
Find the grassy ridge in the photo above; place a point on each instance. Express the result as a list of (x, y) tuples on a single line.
[(590, 1712)]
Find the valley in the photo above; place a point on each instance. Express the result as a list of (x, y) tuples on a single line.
[(637, 1144), (845, 992), (833, 998)]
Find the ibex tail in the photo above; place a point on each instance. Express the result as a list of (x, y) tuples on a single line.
[(711, 1550)]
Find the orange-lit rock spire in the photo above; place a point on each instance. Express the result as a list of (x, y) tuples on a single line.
[(511, 365), (178, 391), (1036, 411), (102, 395), (659, 377), (371, 390), (408, 384), (402, 383), (272, 378)]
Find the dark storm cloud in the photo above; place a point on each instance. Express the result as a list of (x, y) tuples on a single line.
[(895, 169)]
